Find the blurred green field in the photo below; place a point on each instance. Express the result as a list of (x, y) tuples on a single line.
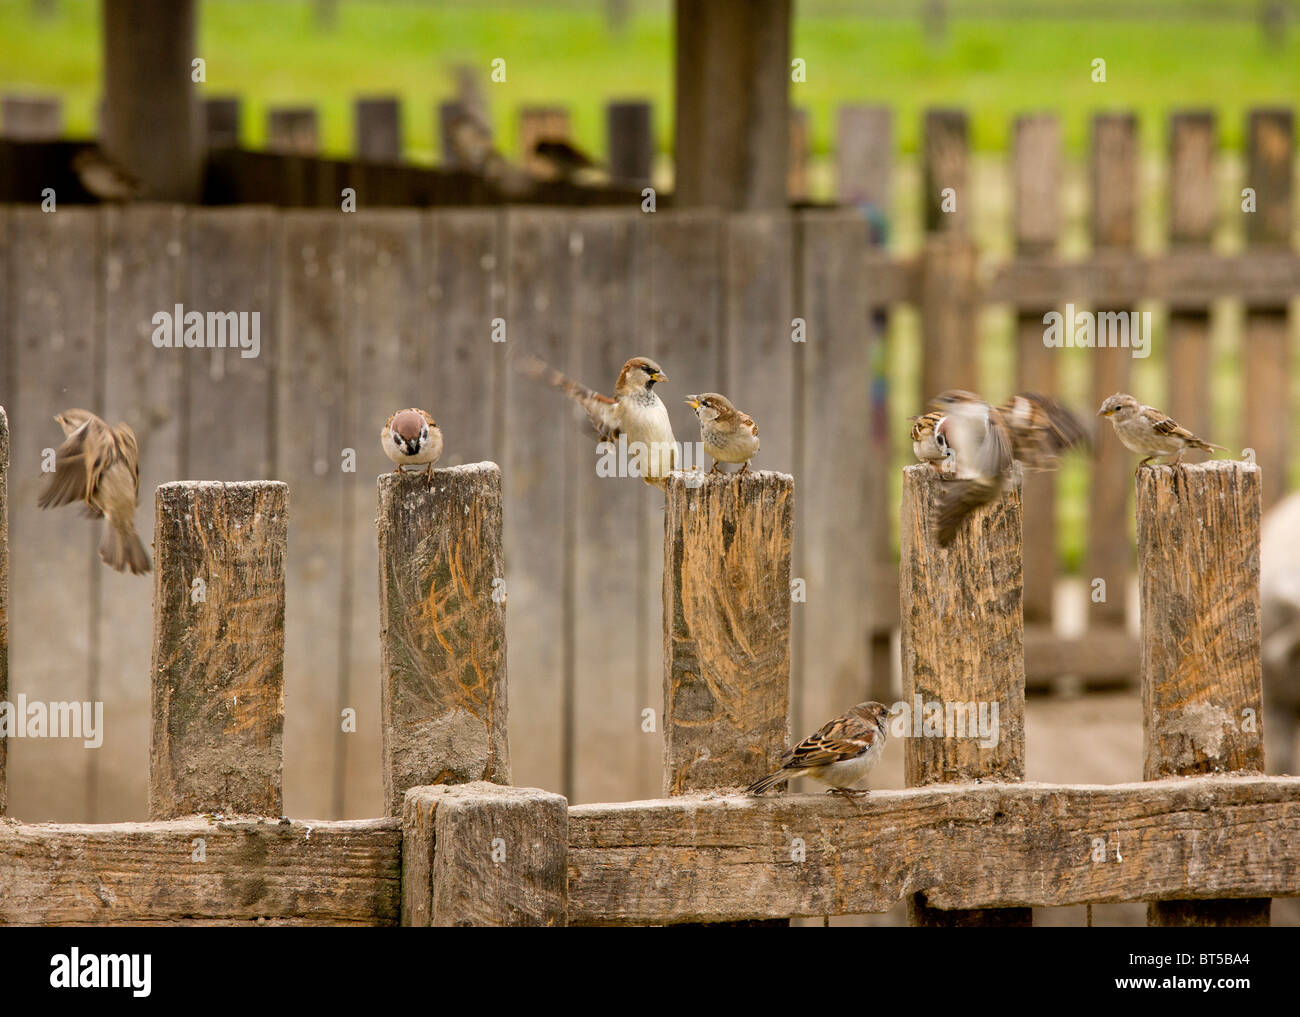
[(270, 52)]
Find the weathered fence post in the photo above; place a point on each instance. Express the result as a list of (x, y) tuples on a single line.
[(483, 854), (946, 171), (631, 141), (796, 187), (4, 594), (378, 123), (221, 122), (726, 628), (863, 152), (31, 118), (442, 630), (963, 657), (949, 312), (292, 130), (1202, 692), (218, 650)]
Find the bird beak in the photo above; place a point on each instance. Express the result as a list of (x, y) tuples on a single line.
[(1104, 412), (659, 376), (693, 402)]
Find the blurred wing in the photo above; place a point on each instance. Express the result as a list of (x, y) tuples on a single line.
[(1041, 429), (69, 483), (602, 411)]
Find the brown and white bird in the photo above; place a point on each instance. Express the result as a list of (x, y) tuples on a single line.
[(926, 448), (103, 177), (100, 466), (411, 438), (634, 412), (840, 754), (729, 436), (986, 442), (1148, 432)]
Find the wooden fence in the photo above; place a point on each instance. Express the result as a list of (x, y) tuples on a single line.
[(1212, 849)]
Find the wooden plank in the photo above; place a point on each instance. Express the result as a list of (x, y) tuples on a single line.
[(797, 169), (1036, 172), (863, 155), (484, 855), (442, 629), (249, 871), (1100, 653), (949, 311), (4, 596), (143, 272), (732, 83), (395, 353), (221, 122), (31, 117), (234, 260), (946, 167), (726, 628), (629, 125), (1109, 553), (1202, 686), (1270, 140), (378, 124), (963, 656), (292, 130), (1193, 204), (311, 419), (834, 368), (609, 747), (538, 425), (54, 355), (218, 658), (708, 858)]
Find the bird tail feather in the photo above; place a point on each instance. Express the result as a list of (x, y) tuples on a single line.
[(768, 782), (122, 550)]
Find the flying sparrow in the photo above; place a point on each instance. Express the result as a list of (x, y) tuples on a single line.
[(410, 437), (1148, 432), (100, 466), (635, 411), (840, 754), (925, 446), (103, 177), (1041, 429), (729, 436)]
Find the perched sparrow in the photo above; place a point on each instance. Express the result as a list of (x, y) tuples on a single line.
[(410, 437), (635, 411), (840, 754), (926, 447), (564, 160), (1148, 432), (100, 466), (985, 443), (103, 177), (729, 436)]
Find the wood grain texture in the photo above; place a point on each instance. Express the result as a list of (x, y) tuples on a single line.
[(726, 628), (706, 858), (962, 631), (218, 661), (4, 596), (1198, 577), (442, 634), (255, 871), (484, 855)]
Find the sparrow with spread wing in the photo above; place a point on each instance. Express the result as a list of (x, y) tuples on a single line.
[(411, 438), (729, 436), (840, 754), (1148, 432), (100, 466), (635, 411)]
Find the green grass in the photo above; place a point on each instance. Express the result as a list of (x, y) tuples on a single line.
[(269, 52)]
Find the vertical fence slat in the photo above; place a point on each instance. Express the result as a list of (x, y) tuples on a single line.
[(863, 151), (393, 352), (797, 171), (537, 123), (726, 628), (946, 165), (442, 629), (609, 745), (218, 657), (378, 123), (4, 596), (949, 315), (221, 122), (55, 351), (1037, 177), (31, 118), (962, 643), (1270, 139), (631, 141), (540, 426), (144, 271), (234, 258), (293, 130), (1193, 203), (1114, 184), (311, 407), (1198, 574)]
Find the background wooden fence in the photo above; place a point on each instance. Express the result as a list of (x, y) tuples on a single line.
[(364, 313)]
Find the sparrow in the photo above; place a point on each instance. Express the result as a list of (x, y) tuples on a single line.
[(986, 442), (634, 412), (729, 436), (411, 437), (840, 754), (1148, 432), (564, 159), (100, 466), (104, 178), (925, 446)]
